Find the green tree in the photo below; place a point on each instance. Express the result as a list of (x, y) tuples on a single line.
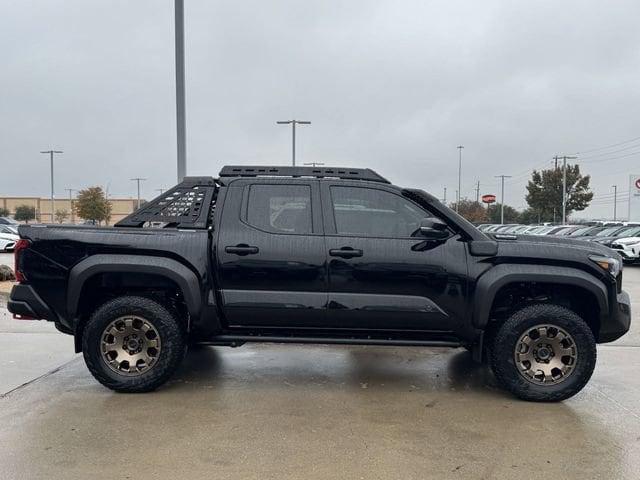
[(511, 215), (471, 210), (24, 213), (92, 204), (61, 215), (4, 212), (529, 215), (545, 192)]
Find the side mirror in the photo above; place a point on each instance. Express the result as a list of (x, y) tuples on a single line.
[(433, 228)]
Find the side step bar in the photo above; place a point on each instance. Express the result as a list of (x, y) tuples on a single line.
[(237, 340)]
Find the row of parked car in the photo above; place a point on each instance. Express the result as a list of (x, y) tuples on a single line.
[(8, 234), (625, 239)]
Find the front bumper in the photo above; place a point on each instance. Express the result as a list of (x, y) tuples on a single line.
[(619, 321), (25, 303), (627, 252)]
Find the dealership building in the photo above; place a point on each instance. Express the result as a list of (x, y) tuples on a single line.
[(120, 208)]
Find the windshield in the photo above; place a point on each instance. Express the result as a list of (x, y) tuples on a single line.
[(630, 232), (607, 232), (580, 231)]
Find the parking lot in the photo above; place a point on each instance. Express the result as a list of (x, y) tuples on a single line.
[(279, 411)]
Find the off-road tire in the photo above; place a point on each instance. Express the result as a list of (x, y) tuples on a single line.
[(502, 352), (172, 338)]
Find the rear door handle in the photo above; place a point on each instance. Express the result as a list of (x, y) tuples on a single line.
[(242, 249), (345, 252)]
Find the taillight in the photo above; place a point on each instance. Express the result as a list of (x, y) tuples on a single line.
[(21, 245)]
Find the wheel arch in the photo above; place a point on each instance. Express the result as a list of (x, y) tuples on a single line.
[(501, 277), (166, 270)]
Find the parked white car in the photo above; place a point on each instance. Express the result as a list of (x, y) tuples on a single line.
[(628, 248), (8, 241)]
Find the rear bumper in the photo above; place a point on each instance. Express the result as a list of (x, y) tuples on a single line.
[(619, 322), (25, 302)]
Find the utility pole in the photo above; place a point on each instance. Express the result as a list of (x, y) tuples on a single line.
[(181, 127), (51, 153), (459, 147), (502, 177), (138, 180), (615, 201), (293, 124), (564, 187), (71, 190), (478, 192), (315, 164), (556, 160), (444, 198), (161, 190)]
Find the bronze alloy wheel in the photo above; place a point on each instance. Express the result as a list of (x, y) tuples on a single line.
[(546, 355), (130, 345)]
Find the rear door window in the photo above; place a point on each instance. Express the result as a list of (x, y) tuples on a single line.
[(280, 208)]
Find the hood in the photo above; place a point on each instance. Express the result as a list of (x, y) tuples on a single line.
[(549, 247)]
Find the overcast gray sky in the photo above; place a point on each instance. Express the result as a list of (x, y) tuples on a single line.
[(391, 85)]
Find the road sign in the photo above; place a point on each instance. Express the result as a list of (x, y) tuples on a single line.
[(489, 198), (634, 198)]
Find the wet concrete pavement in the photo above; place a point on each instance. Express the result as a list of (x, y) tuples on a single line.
[(290, 412)]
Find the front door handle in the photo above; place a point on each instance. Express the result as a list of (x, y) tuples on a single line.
[(242, 249), (345, 252)]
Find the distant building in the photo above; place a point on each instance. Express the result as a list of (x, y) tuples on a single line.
[(120, 208)]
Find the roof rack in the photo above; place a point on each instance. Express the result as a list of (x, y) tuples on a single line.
[(187, 205), (328, 172)]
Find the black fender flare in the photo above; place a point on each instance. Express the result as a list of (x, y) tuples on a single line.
[(491, 282), (175, 271)]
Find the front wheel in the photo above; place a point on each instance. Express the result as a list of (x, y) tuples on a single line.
[(133, 344), (543, 353)]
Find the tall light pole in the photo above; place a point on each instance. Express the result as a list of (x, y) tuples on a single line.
[(138, 180), (181, 128), (615, 201), (51, 153), (459, 147), (502, 197), (564, 187), (293, 124), (71, 190), (444, 197)]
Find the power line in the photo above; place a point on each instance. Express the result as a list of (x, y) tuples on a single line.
[(608, 146)]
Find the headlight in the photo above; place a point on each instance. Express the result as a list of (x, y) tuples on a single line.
[(611, 265)]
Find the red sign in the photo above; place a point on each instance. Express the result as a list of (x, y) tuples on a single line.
[(638, 184), (492, 198)]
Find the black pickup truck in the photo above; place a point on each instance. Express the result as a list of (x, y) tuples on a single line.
[(318, 255)]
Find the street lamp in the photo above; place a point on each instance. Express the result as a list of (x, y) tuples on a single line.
[(51, 153), (459, 147), (181, 128), (293, 124)]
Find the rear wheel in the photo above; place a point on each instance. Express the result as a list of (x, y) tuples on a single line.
[(543, 353), (133, 344)]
